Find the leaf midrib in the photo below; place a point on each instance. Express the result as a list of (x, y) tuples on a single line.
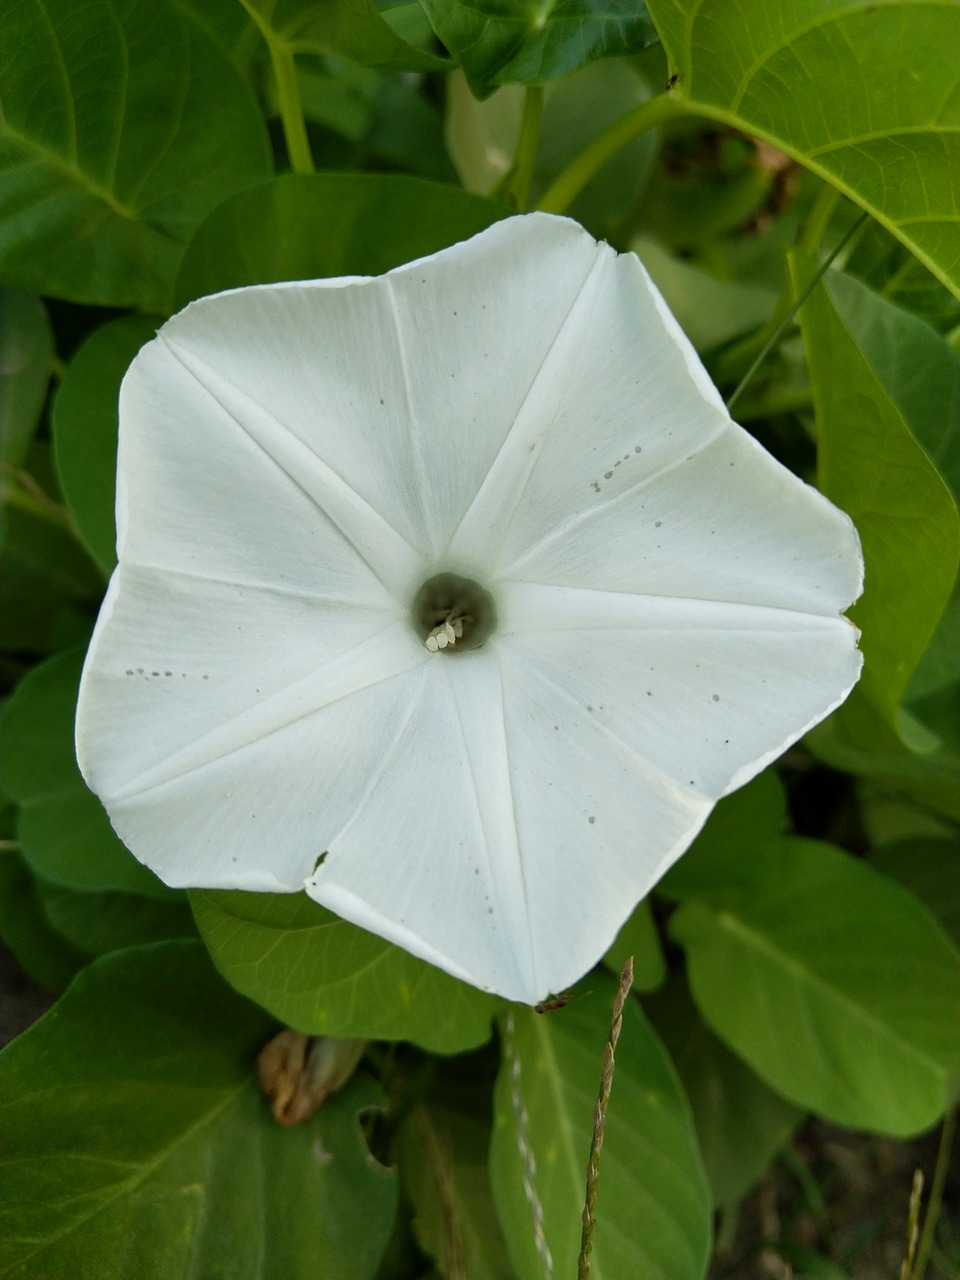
[(811, 979)]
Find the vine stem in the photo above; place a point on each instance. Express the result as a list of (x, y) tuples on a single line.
[(937, 1184), (288, 94), (570, 181), (600, 1121), (526, 152)]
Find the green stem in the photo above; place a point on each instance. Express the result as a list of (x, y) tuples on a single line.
[(526, 152), (570, 181), (936, 1195), (288, 94), (775, 336), (291, 108), (818, 219)]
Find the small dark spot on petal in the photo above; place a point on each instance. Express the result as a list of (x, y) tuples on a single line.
[(607, 475), (129, 671), (657, 524), (716, 697)]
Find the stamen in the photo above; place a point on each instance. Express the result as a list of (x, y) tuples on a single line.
[(447, 632)]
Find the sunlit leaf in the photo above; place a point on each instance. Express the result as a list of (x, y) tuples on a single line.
[(653, 1206), (863, 94), (64, 833), (85, 430), (835, 984), (123, 126), (141, 1145), (371, 223), (326, 977), (532, 42)]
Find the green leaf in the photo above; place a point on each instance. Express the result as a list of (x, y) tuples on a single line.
[(43, 954), (371, 223), (98, 923), (85, 430), (123, 127), (863, 94), (835, 984), (653, 1207), (534, 41), (326, 977), (914, 365), (442, 1159), (639, 938), (741, 1123), (871, 466), (356, 31), (141, 1146), (65, 836), (26, 356)]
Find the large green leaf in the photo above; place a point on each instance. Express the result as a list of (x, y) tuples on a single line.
[(741, 1122), (64, 833), (26, 355), (123, 127), (85, 424), (534, 41), (871, 465), (836, 985), (326, 977), (864, 94), (653, 1208), (303, 227), (137, 1144)]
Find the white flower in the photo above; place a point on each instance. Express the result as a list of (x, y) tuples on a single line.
[(270, 700)]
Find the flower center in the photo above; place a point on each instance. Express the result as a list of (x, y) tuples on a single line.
[(451, 613)]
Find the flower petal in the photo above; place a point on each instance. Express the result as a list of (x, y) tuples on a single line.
[(624, 472), (404, 385), (219, 781), (706, 693), (431, 859)]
